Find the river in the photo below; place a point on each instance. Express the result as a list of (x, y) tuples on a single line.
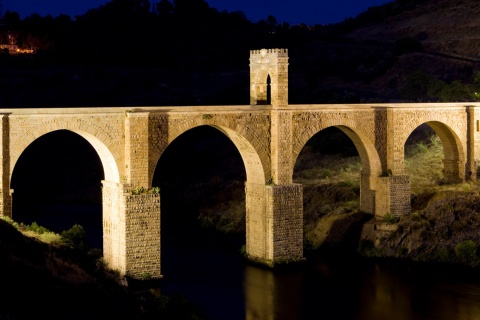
[(210, 273), (207, 272)]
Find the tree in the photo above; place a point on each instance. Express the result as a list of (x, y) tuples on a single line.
[(75, 237)]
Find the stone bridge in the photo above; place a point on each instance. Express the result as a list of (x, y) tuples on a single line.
[(269, 134)]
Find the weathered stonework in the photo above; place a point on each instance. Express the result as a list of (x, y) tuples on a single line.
[(131, 231), (271, 63), (142, 233), (284, 215), (274, 223), (269, 138)]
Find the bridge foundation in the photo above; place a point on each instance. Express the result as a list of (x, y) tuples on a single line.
[(131, 230), (274, 223), (367, 192), (393, 195)]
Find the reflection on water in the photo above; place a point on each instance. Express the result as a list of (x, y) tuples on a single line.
[(210, 273), (270, 295), (355, 289)]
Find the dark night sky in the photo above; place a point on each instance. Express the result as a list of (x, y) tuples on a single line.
[(309, 12)]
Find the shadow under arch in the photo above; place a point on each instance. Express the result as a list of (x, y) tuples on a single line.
[(64, 171), (369, 157), (107, 159), (454, 154), (255, 172), (251, 160)]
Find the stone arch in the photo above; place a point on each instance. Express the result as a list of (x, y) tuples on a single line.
[(369, 157), (262, 87), (255, 163), (109, 162), (453, 149), (251, 160)]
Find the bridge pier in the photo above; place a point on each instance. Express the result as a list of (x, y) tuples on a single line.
[(274, 223), (6, 202), (393, 195), (367, 192), (453, 171), (131, 230)]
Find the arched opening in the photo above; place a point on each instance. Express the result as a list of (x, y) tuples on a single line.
[(57, 183), (329, 167), (269, 90), (424, 153), (263, 89), (201, 177)]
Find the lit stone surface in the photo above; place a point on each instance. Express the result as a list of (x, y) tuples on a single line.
[(269, 138)]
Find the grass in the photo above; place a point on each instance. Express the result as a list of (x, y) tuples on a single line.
[(75, 237), (330, 191), (33, 230), (68, 284), (331, 184), (424, 165)]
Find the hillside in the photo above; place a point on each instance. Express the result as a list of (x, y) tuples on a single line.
[(440, 26), (42, 279), (438, 38), (187, 53)]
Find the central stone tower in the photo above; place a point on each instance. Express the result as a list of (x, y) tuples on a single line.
[(275, 209), (269, 77)]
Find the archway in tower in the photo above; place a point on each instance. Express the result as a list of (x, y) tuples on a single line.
[(329, 168), (57, 184)]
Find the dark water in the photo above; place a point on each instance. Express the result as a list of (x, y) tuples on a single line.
[(210, 273), (214, 278)]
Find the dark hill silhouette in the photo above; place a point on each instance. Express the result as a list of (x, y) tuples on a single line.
[(185, 52)]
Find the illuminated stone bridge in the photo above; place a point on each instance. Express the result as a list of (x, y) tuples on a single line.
[(269, 135)]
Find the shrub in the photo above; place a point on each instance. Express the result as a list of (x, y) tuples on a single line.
[(75, 237), (36, 228), (444, 255), (390, 218), (367, 248), (466, 252), (243, 250)]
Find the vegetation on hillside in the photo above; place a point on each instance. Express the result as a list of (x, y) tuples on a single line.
[(443, 226), (444, 215), (55, 276)]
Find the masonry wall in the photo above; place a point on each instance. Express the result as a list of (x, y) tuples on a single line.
[(392, 196), (284, 211), (269, 139), (105, 126), (114, 226), (274, 222), (142, 231), (137, 149), (131, 231), (256, 224)]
